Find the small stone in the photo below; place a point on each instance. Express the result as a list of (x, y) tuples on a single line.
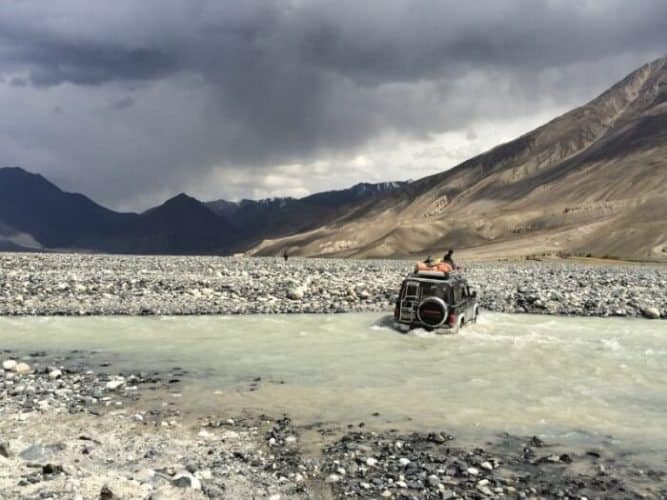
[(433, 481), (295, 293), (186, 480), (403, 461), (651, 313), (9, 365), (485, 490), (106, 493), (333, 478), (487, 465), (55, 373), (52, 469), (34, 453), (473, 471), (115, 384), (371, 462), (22, 368), (231, 435)]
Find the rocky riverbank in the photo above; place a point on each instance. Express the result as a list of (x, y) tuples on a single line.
[(72, 431), (74, 284)]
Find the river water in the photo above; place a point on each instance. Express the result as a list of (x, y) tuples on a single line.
[(577, 381)]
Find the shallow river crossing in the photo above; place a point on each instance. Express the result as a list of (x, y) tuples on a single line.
[(577, 381)]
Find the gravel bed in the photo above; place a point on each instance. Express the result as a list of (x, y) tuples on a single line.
[(70, 432), (76, 284)]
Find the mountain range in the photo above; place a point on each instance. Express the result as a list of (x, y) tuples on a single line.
[(592, 182), (37, 215)]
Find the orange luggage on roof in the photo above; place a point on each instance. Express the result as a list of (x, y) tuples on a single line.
[(440, 267)]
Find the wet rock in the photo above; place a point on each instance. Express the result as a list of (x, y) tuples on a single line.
[(107, 494), (186, 480), (536, 442), (115, 384), (651, 313)]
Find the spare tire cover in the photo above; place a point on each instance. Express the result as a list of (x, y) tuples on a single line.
[(432, 311)]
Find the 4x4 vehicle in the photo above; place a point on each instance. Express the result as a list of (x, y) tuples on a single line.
[(435, 301)]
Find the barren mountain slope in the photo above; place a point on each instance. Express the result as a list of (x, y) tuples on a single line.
[(593, 181)]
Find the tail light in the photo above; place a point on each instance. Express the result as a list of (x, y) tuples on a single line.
[(452, 320)]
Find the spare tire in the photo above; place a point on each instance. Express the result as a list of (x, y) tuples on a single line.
[(432, 312)]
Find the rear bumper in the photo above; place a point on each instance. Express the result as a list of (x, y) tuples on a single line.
[(407, 326)]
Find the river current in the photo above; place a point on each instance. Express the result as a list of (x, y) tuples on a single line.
[(576, 381)]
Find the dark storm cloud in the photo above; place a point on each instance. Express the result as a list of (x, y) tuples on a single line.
[(122, 103), (17, 81), (290, 81)]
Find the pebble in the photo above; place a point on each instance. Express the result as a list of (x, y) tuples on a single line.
[(115, 384), (9, 364), (186, 480), (651, 313), (22, 368)]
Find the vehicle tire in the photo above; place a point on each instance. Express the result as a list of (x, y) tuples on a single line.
[(459, 324)]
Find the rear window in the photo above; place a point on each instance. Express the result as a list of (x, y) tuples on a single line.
[(435, 290)]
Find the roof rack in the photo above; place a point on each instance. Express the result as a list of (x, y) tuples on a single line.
[(435, 275)]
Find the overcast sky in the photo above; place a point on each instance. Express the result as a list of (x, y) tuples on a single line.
[(131, 102)]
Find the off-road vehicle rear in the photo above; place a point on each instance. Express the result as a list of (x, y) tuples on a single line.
[(435, 301)]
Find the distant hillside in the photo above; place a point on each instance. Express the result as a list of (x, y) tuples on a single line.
[(31, 205), (273, 217), (590, 182), (37, 215)]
